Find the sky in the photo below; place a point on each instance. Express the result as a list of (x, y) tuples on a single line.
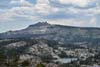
[(18, 14)]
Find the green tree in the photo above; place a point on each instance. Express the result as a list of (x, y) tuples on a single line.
[(40, 65), (2, 59), (25, 63)]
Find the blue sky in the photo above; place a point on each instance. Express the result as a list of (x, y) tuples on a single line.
[(18, 14)]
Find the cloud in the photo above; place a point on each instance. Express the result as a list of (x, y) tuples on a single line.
[(18, 12), (23, 10), (93, 21), (28, 11), (81, 3), (4, 4), (43, 7), (75, 22), (68, 22), (22, 3)]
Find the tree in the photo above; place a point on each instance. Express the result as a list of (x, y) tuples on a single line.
[(40, 65), (2, 59), (25, 63)]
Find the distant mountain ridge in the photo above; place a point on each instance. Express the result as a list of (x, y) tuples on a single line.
[(60, 33)]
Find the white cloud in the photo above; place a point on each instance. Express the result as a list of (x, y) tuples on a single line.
[(25, 3), (69, 22), (75, 22), (43, 7), (21, 3), (81, 3), (86, 12), (93, 21), (21, 12)]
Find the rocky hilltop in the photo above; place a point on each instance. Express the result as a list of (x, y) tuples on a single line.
[(60, 33)]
